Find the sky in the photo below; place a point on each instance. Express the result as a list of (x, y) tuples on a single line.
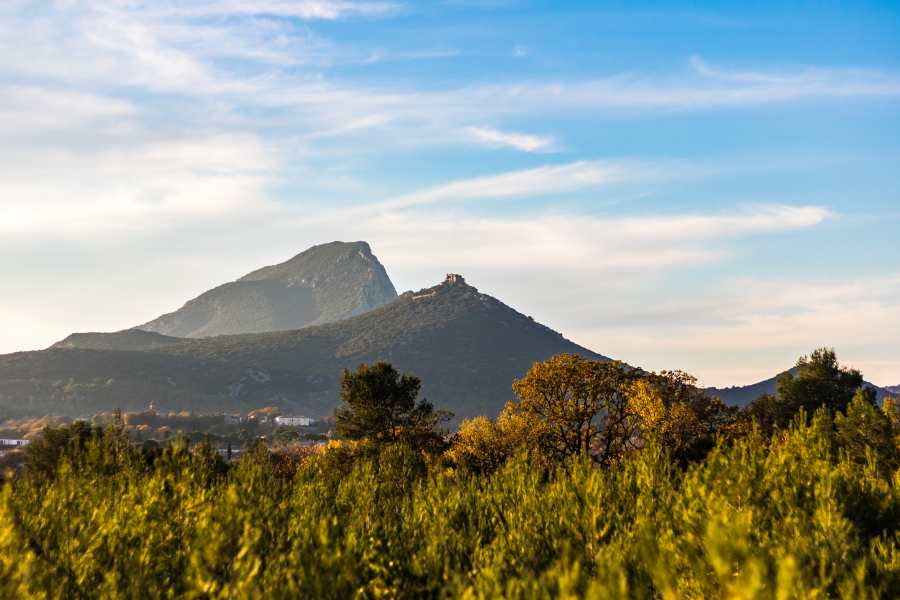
[(713, 187)]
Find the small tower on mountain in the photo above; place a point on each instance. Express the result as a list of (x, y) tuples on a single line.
[(453, 278)]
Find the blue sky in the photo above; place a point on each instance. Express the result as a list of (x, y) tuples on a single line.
[(706, 186)]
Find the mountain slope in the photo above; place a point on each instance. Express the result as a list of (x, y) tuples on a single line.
[(326, 283), (466, 346), (742, 395)]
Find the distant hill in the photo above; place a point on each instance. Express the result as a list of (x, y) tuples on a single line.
[(744, 395), (128, 339), (892, 389), (326, 283), (466, 346)]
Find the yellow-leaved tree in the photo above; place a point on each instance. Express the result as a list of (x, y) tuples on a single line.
[(484, 444), (671, 410), (581, 405)]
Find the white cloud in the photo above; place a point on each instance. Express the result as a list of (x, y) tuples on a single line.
[(580, 243), (545, 181), (34, 110), (301, 9), (381, 55), (764, 218), (806, 75), (539, 181), (327, 10), (519, 141), (143, 183), (362, 123), (164, 48), (749, 329), (635, 93)]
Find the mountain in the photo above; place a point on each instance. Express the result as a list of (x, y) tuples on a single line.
[(892, 390), (466, 346), (326, 283), (744, 395)]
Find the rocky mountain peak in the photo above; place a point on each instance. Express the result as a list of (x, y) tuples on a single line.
[(326, 283)]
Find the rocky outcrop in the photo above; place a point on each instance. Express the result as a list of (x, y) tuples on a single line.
[(326, 283)]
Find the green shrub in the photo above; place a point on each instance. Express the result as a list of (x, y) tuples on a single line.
[(798, 515)]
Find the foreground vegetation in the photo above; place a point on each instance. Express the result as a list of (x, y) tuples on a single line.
[(776, 505)]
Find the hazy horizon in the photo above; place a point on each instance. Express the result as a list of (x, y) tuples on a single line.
[(714, 191)]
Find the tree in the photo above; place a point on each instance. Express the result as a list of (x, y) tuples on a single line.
[(819, 381), (672, 411), (864, 427), (891, 409), (580, 403), (380, 405), (766, 412), (284, 436), (44, 452), (479, 445), (484, 444)]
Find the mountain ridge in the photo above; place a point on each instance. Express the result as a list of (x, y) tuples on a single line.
[(466, 346)]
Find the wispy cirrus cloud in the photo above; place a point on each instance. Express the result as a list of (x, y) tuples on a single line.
[(440, 112), (634, 92), (577, 242), (327, 10), (256, 69), (520, 141), (525, 183)]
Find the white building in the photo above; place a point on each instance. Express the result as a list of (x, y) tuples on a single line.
[(295, 421), (14, 443)]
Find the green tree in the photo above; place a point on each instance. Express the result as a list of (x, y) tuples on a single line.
[(284, 436), (380, 404), (768, 413), (864, 428), (819, 380), (44, 452)]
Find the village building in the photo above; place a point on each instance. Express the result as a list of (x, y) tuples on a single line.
[(295, 421), (12, 443)]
